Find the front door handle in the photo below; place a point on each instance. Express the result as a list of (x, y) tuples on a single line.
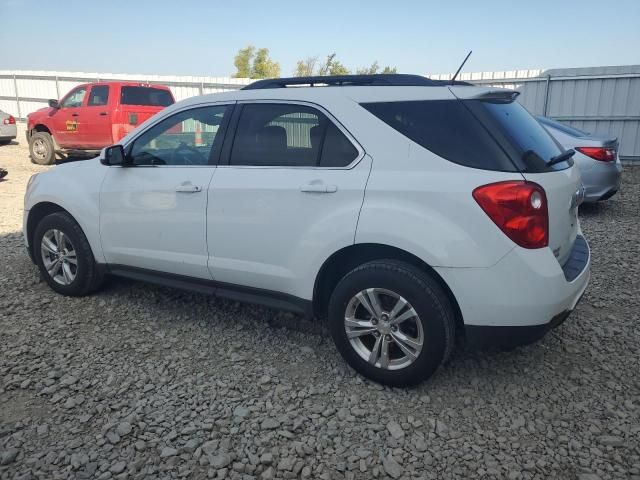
[(74, 114), (318, 188), (188, 188)]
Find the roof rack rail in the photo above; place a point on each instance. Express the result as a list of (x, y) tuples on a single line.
[(384, 79)]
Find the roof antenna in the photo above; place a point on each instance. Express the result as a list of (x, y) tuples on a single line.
[(460, 68)]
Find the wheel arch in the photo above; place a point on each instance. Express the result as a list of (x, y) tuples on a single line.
[(348, 258), (37, 213), (39, 127)]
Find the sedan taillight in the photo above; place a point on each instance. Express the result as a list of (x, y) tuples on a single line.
[(603, 154), (10, 120), (519, 209)]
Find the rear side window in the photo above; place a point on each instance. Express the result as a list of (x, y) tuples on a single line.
[(154, 97), (99, 95), (446, 128), (289, 135)]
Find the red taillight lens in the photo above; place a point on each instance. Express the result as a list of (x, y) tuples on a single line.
[(9, 120), (519, 209), (604, 154)]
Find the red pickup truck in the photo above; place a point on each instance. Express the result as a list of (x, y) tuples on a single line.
[(91, 117)]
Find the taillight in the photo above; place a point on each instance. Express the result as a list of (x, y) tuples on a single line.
[(519, 209), (604, 154), (9, 120)]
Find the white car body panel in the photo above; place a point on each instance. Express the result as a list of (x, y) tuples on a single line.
[(281, 235), (146, 223)]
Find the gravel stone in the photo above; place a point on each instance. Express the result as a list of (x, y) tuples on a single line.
[(139, 381)]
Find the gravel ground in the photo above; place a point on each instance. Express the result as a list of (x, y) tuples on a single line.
[(142, 381)]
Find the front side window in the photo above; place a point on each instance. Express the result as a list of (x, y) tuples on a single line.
[(75, 98), (99, 95), (288, 135), (190, 137)]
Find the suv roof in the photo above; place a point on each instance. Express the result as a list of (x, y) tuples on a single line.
[(377, 80)]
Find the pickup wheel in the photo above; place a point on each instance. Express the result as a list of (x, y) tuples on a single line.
[(391, 322), (41, 148), (64, 256)]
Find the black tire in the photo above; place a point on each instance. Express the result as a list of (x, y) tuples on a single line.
[(5, 142), (41, 148), (88, 277), (427, 298)]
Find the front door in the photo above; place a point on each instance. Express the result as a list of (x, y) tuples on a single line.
[(67, 121), (153, 212), (290, 193)]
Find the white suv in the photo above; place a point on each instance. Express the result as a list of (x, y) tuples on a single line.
[(407, 211)]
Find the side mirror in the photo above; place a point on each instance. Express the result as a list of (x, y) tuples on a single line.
[(113, 156), (54, 104)]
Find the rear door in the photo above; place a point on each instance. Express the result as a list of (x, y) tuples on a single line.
[(97, 118), (67, 121), (291, 190), (137, 103)]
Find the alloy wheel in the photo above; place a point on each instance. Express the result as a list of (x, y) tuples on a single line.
[(59, 256)]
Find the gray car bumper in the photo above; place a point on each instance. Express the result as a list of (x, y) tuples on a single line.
[(601, 181)]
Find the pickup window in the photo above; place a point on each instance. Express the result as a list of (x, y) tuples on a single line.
[(155, 97), (99, 95)]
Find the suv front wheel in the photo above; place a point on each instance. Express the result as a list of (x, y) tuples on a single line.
[(392, 322), (64, 256)]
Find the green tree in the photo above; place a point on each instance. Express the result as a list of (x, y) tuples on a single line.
[(306, 68), (263, 66), (333, 67), (375, 68), (389, 69), (242, 61)]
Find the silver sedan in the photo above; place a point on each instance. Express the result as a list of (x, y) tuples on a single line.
[(8, 129), (596, 157)]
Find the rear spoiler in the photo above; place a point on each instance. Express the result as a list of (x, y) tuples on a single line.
[(493, 95)]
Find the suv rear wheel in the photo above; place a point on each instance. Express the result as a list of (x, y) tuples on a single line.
[(64, 256), (41, 148), (391, 322)]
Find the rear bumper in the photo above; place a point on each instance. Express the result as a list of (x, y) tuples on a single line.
[(520, 298), (601, 181), (481, 337), (8, 132)]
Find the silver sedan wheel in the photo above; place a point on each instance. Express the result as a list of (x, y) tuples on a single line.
[(383, 328), (39, 148), (59, 257)]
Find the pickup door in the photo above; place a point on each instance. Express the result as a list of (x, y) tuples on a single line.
[(67, 122), (96, 117)]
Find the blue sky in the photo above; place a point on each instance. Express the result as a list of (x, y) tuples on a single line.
[(189, 37)]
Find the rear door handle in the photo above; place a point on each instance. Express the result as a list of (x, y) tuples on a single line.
[(103, 113), (318, 188), (188, 188)]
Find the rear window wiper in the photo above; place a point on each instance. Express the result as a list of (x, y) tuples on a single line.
[(563, 157)]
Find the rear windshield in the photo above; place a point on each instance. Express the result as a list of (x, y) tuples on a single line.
[(446, 128), (527, 143), (571, 131), (155, 97)]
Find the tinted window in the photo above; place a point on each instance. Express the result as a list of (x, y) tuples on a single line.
[(337, 150), (155, 97), (446, 128), (99, 95), (289, 135), (529, 143), (75, 98), (190, 137)]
